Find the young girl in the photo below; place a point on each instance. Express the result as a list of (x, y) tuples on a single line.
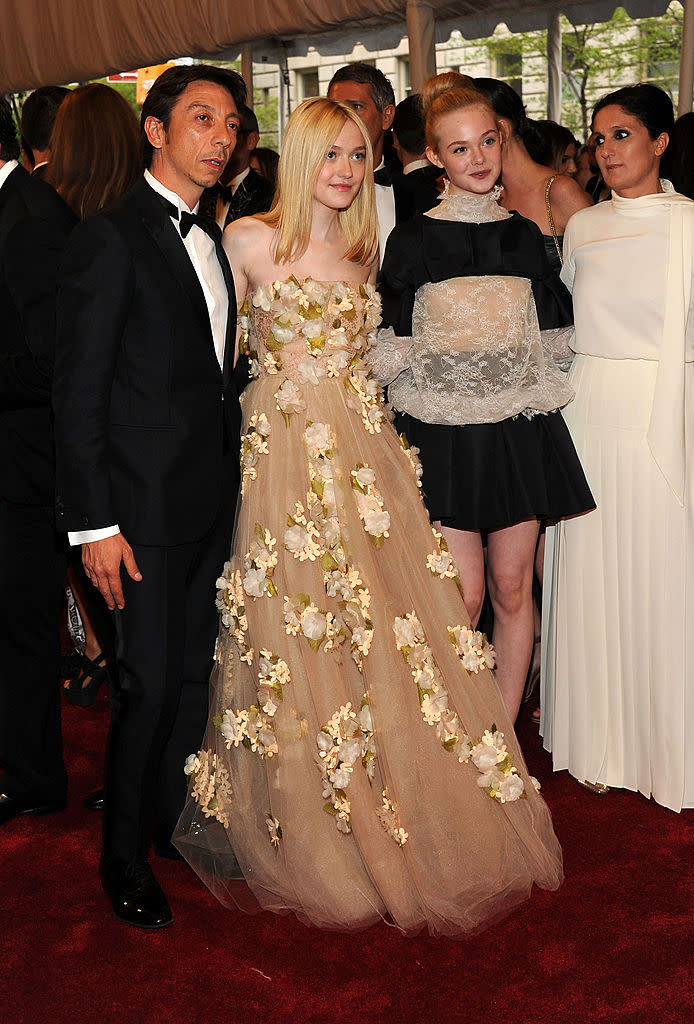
[(478, 396), (354, 760)]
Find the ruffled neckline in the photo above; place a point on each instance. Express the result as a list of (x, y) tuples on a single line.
[(469, 207), (648, 203)]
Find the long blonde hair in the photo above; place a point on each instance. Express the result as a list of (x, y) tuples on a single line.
[(311, 131)]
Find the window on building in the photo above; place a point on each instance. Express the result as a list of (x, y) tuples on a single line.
[(508, 66), (307, 82), (404, 83)]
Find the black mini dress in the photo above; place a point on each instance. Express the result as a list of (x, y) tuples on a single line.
[(482, 475)]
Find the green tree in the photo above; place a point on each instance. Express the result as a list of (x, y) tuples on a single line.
[(601, 56)]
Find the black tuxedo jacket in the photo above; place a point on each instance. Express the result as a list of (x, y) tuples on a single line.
[(254, 195), (34, 227), (144, 413)]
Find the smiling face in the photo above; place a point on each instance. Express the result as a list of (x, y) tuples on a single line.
[(341, 173), (191, 154), (627, 156), (357, 95), (468, 149)]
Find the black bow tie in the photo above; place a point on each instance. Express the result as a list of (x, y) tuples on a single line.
[(188, 220), (383, 176)]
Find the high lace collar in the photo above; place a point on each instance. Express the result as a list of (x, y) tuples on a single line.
[(650, 203), (469, 207)]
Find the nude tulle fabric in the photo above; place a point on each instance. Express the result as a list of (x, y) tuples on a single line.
[(444, 855)]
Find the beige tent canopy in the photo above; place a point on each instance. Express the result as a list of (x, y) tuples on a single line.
[(55, 41)]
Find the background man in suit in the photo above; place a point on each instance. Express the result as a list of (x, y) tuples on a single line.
[(147, 439), (415, 186), (34, 225), (38, 117), (368, 91), (241, 191)]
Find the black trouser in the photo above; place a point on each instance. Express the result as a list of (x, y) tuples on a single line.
[(165, 645), (33, 561)]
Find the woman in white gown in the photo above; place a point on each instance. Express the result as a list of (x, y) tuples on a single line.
[(618, 661)]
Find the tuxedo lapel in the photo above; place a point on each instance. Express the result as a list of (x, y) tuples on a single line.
[(174, 253), (230, 338)]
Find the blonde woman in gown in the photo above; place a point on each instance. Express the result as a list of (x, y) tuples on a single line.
[(358, 761), (618, 666)]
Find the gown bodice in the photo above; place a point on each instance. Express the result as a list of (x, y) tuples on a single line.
[(309, 330)]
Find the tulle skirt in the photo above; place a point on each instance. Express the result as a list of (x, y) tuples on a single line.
[(333, 769)]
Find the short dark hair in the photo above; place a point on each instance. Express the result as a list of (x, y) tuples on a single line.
[(647, 103), (408, 124), (366, 74), (162, 97), (249, 122), (9, 146), (38, 116)]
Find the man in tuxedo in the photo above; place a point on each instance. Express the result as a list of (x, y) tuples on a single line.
[(367, 90), (241, 191), (147, 441), (38, 117), (34, 226), (415, 187)]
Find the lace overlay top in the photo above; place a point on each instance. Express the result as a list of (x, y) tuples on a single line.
[(466, 345)]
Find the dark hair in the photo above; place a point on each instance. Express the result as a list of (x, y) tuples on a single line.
[(249, 122), (552, 142), (408, 124), (9, 146), (505, 102), (164, 94), (678, 162), (268, 161), (94, 149), (647, 103), (366, 74), (38, 117)]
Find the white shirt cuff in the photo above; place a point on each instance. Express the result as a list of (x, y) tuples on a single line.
[(87, 536)]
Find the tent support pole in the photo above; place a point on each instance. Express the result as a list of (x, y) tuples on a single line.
[(554, 66), (686, 86), (247, 71), (421, 32)]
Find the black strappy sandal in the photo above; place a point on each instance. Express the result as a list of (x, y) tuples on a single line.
[(98, 671)]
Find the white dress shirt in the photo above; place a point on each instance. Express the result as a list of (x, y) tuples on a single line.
[(203, 255), (6, 171), (385, 211)]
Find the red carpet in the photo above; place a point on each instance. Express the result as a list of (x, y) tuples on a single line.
[(615, 944)]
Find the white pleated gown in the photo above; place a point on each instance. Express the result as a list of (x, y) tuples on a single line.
[(618, 622)]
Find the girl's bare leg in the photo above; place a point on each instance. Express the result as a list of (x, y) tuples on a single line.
[(510, 558), (466, 548)]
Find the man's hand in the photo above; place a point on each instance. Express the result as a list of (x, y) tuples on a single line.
[(102, 559)]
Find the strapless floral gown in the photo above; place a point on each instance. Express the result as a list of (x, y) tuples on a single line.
[(358, 759)]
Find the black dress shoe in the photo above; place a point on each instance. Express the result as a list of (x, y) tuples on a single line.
[(135, 894), (12, 806), (95, 801)]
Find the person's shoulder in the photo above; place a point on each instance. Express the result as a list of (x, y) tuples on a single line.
[(248, 232), (258, 182), (568, 195)]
